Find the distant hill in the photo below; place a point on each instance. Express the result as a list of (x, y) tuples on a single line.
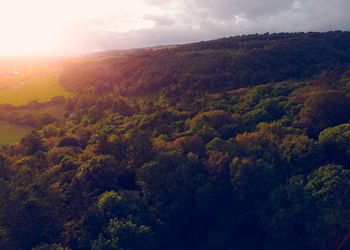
[(225, 63), (108, 53)]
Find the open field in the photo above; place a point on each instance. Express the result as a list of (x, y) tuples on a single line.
[(26, 80), (10, 133), (40, 88), (22, 81)]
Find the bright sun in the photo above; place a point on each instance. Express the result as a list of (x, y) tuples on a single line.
[(55, 27), (30, 27)]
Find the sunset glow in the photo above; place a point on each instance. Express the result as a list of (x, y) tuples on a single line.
[(69, 27), (40, 27)]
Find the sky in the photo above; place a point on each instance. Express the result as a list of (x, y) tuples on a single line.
[(69, 27)]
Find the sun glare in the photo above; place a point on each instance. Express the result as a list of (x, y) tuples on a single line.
[(29, 27), (55, 27)]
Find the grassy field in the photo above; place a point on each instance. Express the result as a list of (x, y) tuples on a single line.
[(40, 88), (11, 134), (25, 80)]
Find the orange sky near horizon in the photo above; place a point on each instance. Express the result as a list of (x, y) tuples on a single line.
[(64, 27)]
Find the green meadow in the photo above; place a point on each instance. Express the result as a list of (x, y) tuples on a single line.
[(11, 133), (23, 81), (40, 88)]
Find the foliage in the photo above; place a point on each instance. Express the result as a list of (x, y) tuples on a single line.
[(199, 164)]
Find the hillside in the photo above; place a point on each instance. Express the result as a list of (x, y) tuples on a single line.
[(215, 65), (238, 143)]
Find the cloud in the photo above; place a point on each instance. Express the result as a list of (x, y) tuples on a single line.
[(181, 21), (160, 20), (251, 9), (80, 26)]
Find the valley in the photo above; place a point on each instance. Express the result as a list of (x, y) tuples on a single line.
[(236, 143)]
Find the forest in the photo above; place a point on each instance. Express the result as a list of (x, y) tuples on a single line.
[(241, 143)]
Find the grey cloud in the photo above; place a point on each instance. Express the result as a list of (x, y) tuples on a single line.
[(249, 8), (194, 20), (160, 20)]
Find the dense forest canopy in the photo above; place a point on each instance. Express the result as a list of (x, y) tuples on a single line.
[(220, 64), (238, 143)]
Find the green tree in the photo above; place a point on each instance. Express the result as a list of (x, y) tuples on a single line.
[(336, 143), (32, 143), (99, 174), (310, 213), (125, 234), (325, 109)]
